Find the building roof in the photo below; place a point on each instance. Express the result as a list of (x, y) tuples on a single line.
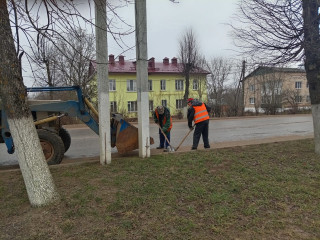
[(122, 66), (261, 70)]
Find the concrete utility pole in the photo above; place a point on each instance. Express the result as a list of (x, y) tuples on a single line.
[(142, 77), (103, 81)]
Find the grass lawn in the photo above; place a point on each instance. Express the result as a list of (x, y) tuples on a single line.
[(269, 191)]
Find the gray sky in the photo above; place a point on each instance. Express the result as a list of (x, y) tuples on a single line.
[(168, 21)]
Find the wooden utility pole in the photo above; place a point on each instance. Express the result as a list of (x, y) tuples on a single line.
[(103, 81), (142, 77)]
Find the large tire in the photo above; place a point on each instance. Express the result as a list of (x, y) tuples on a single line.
[(52, 146), (66, 138)]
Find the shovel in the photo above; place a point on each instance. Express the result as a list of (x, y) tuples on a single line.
[(171, 149), (185, 138)]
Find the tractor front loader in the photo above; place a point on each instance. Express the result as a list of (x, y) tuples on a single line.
[(55, 140)]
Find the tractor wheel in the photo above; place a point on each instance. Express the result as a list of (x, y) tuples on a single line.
[(66, 138), (52, 146)]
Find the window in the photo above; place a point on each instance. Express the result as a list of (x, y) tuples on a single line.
[(278, 88), (195, 85), (131, 85), (298, 85), (150, 105), (308, 99), (113, 107), (266, 89), (252, 100), (164, 103), (132, 106), (179, 104), (298, 99), (162, 85), (112, 85), (252, 88), (179, 85), (150, 85)]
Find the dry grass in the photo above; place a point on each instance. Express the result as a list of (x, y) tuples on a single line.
[(268, 191)]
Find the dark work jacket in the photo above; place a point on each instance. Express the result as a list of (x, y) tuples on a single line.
[(190, 114), (164, 119)]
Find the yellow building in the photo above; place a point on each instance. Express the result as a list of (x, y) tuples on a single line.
[(166, 85), (273, 89)]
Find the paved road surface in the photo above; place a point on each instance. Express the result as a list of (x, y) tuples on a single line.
[(85, 142)]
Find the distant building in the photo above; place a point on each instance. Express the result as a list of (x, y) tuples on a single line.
[(273, 89), (166, 85)]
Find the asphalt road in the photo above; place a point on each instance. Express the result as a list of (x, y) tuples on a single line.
[(85, 142)]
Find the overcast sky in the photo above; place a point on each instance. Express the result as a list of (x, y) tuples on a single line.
[(168, 21)]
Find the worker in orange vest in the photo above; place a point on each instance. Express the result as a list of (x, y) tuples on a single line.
[(161, 116), (199, 113)]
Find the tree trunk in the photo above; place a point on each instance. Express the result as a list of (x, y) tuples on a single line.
[(39, 183), (50, 82), (316, 126), (312, 62), (37, 177), (186, 92)]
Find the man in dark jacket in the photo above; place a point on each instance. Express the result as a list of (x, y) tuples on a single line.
[(199, 113), (162, 116)]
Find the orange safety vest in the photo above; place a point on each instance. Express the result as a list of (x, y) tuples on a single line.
[(200, 113), (164, 120)]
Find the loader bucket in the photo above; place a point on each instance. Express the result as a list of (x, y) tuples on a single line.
[(126, 137)]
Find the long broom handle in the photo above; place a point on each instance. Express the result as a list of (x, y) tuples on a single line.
[(184, 138), (164, 135)]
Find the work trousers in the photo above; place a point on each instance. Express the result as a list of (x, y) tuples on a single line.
[(163, 141), (202, 128)]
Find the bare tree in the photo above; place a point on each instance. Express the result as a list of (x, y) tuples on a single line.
[(45, 70), (232, 94), (39, 183), (189, 57), (282, 31), (67, 62), (34, 21), (290, 98), (45, 67), (312, 61), (200, 83), (270, 30), (231, 103), (72, 62), (220, 69), (270, 86)]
